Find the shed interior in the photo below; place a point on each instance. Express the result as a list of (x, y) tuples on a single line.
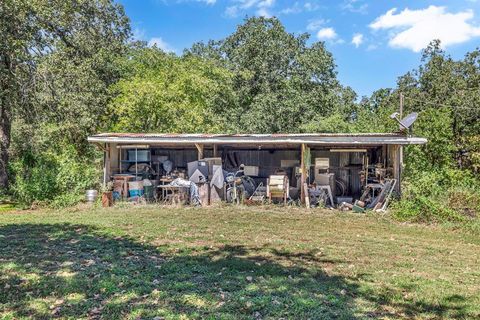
[(348, 170)]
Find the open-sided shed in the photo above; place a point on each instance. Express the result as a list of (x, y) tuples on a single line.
[(353, 159)]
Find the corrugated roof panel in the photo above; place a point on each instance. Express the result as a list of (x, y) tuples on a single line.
[(252, 135), (331, 139)]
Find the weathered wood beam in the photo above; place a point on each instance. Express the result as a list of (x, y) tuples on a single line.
[(397, 170), (199, 150), (100, 146), (303, 177), (106, 164)]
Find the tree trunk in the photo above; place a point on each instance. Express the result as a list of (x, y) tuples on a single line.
[(5, 127), (6, 100)]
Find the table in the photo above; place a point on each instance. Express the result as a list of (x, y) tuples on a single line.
[(173, 194), (125, 178), (163, 182)]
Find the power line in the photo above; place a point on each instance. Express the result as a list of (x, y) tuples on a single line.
[(443, 105)]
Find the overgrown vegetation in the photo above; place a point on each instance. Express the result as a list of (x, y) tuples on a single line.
[(442, 178), (248, 263), (58, 178), (71, 70), (58, 61), (449, 195)]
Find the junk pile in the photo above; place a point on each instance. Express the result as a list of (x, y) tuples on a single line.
[(320, 196), (192, 187), (376, 197), (345, 180), (149, 177)]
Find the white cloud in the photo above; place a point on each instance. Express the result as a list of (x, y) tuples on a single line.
[(297, 7), (263, 12), (355, 6), (327, 34), (231, 11), (208, 2), (357, 39), (161, 44), (311, 6), (262, 7), (316, 24), (414, 29)]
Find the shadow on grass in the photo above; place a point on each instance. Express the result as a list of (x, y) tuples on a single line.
[(75, 271)]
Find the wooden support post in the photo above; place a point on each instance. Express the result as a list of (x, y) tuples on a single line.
[(113, 152), (400, 170), (397, 170), (215, 151), (104, 182), (106, 164), (200, 150), (303, 177), (120, 164)]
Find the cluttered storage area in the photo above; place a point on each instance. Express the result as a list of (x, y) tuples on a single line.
[(349, 172)]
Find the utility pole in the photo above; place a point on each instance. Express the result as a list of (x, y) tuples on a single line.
[(400, 148), (401, 105)]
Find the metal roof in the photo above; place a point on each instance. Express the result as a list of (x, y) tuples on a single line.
[(327, 139)]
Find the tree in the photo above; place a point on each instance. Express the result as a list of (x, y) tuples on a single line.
[(161, 92), (56, 64), (280, 81), (447, 93), (13, 63)]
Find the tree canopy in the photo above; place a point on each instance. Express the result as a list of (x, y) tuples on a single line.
[(57, 62), (280, 81), (161, 92)]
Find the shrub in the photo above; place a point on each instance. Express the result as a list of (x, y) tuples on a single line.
[(56, 179), (449, 195)]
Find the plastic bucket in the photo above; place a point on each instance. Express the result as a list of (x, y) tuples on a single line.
[(91, 195), (148, 190), (117, 195), (135, 188)]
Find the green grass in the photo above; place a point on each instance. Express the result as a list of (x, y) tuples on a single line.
[(6, 207), (231, 263)]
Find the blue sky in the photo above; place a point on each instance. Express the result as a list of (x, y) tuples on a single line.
[(373, 42)]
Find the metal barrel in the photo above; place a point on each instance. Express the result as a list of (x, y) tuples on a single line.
[(91, 195)]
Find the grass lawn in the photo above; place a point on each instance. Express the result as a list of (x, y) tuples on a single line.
[(231, 263)]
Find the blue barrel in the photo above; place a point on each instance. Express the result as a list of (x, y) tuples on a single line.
[(135, 188)]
